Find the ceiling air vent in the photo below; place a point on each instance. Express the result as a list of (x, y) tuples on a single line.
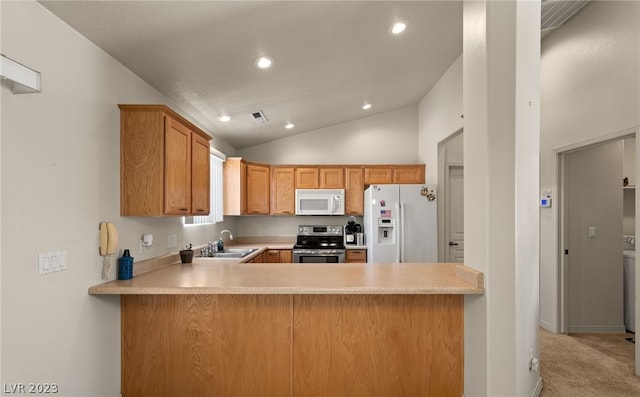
[(557, 12), (259, 117)]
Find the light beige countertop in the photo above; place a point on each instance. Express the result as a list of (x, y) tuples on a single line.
[(228, 276), (355, 247)]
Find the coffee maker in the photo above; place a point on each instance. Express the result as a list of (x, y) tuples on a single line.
[(351, 231)]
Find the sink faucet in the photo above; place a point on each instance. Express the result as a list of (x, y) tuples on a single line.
[(226, 231), (221, 241)]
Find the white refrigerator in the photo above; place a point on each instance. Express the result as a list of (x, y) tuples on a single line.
[(400, 223)]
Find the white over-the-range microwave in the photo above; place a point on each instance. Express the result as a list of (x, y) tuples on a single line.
[(319, 201)]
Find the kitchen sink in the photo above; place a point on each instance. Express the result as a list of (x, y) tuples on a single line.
[(231, 253)]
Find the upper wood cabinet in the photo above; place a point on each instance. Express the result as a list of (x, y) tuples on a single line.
[(332, 178), (408, 174), (378, 175), (354, 191), (307, 178), (157, 163), (283, 190), (319, 178), (258, 181), (246, 187), (200, 176), (235, 186), (386, 174)]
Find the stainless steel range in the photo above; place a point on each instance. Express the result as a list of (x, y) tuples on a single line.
[(319, 244)]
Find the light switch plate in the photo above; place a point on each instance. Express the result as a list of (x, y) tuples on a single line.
[(52, 261)]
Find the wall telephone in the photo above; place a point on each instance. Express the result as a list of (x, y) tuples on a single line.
[(108, 238)]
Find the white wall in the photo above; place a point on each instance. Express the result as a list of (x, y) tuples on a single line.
[(60, 178), (439, 116), (390, 137), (589, 89)]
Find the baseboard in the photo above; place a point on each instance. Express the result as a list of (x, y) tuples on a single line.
[(597, 329), (548, 326), (538, 389)]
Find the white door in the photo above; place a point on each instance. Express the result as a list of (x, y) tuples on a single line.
[(454, 217), (593, 189)]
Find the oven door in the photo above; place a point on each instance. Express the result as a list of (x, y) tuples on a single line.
[(318, 256)]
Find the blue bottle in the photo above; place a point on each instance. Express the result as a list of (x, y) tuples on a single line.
[(125, 266)]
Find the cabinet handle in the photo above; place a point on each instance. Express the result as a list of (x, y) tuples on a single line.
[(184, 209), (200, 210)]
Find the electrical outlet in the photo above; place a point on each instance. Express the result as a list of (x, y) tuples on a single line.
[(534, 363), (172, 241), (259, 229)]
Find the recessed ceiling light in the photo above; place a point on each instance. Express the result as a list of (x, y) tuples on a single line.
[(224, 118), (263, 62), (289, 126), (366, 106), (398, 27)]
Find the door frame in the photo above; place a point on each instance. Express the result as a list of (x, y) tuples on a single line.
[(562, 289)]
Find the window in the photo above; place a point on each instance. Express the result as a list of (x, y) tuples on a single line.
[(215, 175)]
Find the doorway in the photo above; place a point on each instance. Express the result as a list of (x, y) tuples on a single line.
[(451, 206), (577, 251), (592, 212)]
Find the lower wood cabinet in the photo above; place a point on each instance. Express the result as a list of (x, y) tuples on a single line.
[(292, 345), (356, 256), (278, 256)]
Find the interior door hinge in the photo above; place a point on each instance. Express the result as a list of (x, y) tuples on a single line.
[(566, 252)]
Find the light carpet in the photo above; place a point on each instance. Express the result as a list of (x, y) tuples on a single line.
[(587, 365)]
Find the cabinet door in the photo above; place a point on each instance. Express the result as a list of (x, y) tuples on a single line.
[(356, 256), (286, 256), (409, 174), (307, 178), (378, 175), (200, 181), (332, 178), (272, 256), (257, 189), (354, 191), (283, 191), (177, 168)]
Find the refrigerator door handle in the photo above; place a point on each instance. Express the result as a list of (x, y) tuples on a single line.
[(401, 235)]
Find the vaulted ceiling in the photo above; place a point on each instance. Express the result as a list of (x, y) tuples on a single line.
[(329, 57)]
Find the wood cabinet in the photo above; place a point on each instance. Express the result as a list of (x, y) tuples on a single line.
[(278, 256), (292, 345), (354, 191), (246, 187), (378, 175), (332, 178), (408, 174), (403, 174), (319, 178), (283, 192), (200, 176), (307, 178), (356, 256), (286, 256), (162, 167), (258, 181)]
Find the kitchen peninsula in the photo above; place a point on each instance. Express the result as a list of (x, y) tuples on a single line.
[(219, 327)]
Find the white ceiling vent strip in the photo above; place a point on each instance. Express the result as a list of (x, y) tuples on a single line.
[(557, 12)]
